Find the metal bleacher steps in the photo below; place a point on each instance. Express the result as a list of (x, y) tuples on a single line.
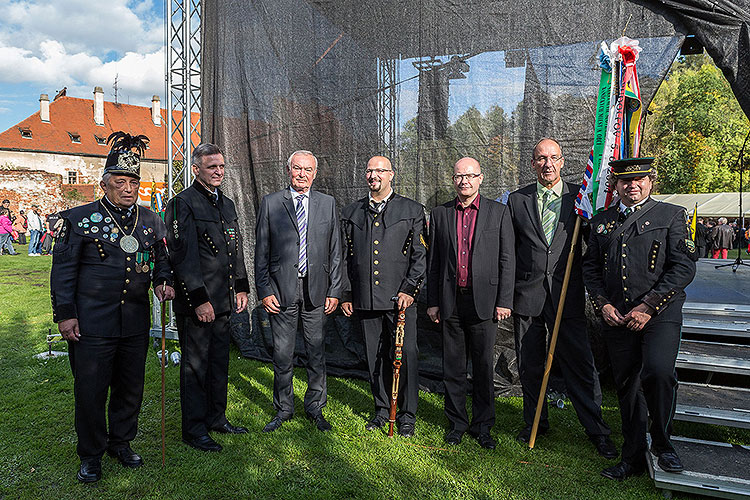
[(714, 357), (712, 404)]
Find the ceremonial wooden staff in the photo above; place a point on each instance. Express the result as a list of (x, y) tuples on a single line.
[(163, 364), (555, 331), (397, 355)]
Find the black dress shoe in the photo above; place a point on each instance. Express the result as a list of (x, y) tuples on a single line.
[(623, 470), (406, 430), (203, 443), (486, 441), (604, 446), (376, 422), (90, 471), (453, 437), (525, 435), (320, 422), (126, 456), (274, 424), (228, 428), (670, 462)]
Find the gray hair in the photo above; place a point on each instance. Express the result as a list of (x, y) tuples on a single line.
[(205, 149), (301, 152), (722, 220)]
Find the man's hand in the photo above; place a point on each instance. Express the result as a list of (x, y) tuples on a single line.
[(637, 318), (612, 316), (205, 312), (331, 304), (502, 313), (69, 329), (347, 308), (434, 314), (164, 293), (241, 300), (404, 300), (271, 304)]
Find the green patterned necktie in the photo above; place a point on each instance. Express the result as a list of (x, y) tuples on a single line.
[(548, 216)]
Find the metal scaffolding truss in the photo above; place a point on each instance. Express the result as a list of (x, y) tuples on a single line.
[(182, 39), (388, 106)]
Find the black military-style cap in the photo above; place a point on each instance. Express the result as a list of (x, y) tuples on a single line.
[(122, 159), (628, 168)]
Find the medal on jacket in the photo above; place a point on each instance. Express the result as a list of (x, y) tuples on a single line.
[(128, 243)]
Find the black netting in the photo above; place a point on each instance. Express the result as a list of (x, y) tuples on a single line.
[(424, 83)]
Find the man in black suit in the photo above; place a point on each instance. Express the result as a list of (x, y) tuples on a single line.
[(101, 274), (469, 288), (701, 238), (298, 277), (206, 253), (543, 220), (638, 262), (385, 252)]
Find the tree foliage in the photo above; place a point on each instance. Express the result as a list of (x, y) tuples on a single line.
[(696, 129)]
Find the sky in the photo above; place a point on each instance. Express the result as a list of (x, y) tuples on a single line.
[(46, 45)]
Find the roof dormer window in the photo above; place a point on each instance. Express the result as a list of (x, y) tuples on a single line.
[(25, 132), (75, 137), (100, 140)]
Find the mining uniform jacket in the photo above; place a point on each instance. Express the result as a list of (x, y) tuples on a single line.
[(385, 253), (205, 249), (647, 258), (94, 280)]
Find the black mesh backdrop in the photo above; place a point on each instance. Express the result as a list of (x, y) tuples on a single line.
[(423, 82)]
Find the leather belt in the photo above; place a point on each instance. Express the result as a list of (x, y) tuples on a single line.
[(464, 290)]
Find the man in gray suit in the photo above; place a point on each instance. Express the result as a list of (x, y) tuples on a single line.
[(298, 276), (543, 221)]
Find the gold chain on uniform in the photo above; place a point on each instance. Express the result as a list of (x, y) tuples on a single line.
[(114, 219)]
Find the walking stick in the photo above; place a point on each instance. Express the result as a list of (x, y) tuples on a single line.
[(397, 355), (163, 364), (555, 331)]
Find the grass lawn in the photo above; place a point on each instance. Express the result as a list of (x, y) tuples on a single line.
[(38, 440)]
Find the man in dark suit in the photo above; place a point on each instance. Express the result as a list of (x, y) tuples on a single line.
[(469, 288), (638, 262), (101, 274), (206, 253), (701, 238), (385, 252), (543, 221), (298, 277)]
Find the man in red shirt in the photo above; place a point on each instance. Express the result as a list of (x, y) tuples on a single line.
[(469, 288)]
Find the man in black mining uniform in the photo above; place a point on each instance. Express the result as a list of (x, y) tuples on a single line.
[(386, 258), (639, 260), (205, 249), (101, 274)]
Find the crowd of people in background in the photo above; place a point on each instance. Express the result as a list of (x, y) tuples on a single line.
[(715, 237), (41, 230)]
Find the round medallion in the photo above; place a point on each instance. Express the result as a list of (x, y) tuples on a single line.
[(146, 267), (96, 217), (114, 235), (107, 220), (105, 229), (129, 244), (94, 229)]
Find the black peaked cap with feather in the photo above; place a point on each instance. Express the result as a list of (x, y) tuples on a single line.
[(124, 156)]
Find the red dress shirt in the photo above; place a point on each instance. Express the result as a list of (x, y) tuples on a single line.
[(466, 219)]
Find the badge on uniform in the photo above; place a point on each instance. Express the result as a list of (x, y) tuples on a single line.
[(600, 228), (96, 217), (231, 232)]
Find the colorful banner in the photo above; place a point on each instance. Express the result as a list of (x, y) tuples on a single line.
[(150, 192)]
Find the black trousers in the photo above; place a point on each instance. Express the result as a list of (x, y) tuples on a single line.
[(464, 335), (284, 328), (643, 364), (203, 373), (100, 365), (576, 362), (379, 331)]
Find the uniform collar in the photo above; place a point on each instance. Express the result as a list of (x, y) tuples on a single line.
[(115, 208), (556, 189)]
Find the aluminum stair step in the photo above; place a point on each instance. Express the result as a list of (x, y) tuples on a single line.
[(713, 404), (714, 357)]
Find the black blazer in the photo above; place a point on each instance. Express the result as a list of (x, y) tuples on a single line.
[(277, 248), (540, 267), (491, 260), (94, 280), (205, 249)]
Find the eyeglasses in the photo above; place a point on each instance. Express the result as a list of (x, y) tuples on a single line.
[(379, 171), (297, 169), (543, 159), (461, 177)]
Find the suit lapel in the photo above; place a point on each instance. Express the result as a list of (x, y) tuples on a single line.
[(566, 211), (289, 205), (451, 214), (482, 218), (313, 208), (530, 202)]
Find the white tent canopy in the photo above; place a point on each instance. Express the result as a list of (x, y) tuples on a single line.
[(710, 204)]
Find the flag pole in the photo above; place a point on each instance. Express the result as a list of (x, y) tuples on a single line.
[(555, 331), (163, 385)]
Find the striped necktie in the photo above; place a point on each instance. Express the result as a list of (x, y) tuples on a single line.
[(302, 228), (548, 216)]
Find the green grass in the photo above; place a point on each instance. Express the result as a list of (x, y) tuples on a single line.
[(37, 440)]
